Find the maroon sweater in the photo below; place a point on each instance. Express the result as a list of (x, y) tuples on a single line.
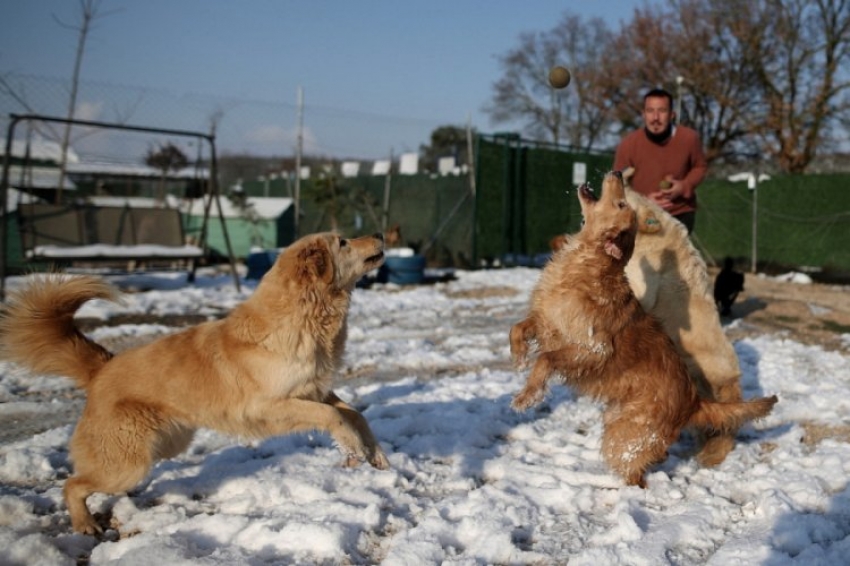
[(679, 157)]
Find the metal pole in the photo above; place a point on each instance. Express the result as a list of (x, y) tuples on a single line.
[(108, 125), (755, 224), (385, 213), (299, 147), (4, 195), (469, 156), (215, 195), (679, 80)]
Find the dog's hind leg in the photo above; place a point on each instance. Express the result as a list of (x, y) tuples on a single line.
[(716, 445), (111, 454), (522, 333), (76, 491), (376, 456), (630, 445), (172, 441)]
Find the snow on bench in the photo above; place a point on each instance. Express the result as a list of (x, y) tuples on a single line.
[(105, 251), (88, 233)]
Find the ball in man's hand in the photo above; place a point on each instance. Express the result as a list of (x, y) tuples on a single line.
[(559, 77)]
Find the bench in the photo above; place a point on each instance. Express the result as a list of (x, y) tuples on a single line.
[(75, 234)]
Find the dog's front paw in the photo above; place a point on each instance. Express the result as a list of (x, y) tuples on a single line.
[(351, 461), (86, 525), (526, 399), (520, 360), (379, 459)]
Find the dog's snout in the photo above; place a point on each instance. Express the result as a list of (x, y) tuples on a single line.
[(586, 192), (618, 174)]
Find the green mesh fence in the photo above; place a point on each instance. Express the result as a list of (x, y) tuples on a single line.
[(801, 221), (435, 213), (526, 194)]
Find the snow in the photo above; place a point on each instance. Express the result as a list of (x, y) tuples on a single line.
[(143, 251), (471, 482), (266, 208)]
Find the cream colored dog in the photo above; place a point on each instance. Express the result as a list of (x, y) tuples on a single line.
[(264, 370), (669, 277)]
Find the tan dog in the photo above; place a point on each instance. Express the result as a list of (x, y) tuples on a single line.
[(669, 277), (392, 237), (264, 370), (593, 335)]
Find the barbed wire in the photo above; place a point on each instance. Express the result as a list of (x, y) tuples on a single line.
[(242, 125)]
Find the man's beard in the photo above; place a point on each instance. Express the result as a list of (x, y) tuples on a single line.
[(659, 138)]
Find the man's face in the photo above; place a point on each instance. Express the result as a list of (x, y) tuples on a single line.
[(657, 114)]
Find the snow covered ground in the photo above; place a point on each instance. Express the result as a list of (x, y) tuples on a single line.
[(472, 482)]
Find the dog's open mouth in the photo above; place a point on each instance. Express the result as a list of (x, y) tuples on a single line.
[(377, 258), (587, 193), (614, 245)]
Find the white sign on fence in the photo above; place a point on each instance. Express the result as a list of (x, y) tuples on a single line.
[(579, 173)]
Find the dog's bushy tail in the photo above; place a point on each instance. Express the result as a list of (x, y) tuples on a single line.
[(729, 417), (37, 327)]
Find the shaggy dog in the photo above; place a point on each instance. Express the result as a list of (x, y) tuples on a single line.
[(669, 277), (392, 237), (264, 370), (592, 333)]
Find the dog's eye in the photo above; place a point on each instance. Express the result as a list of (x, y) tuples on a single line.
[(343, 242), (622, 205)]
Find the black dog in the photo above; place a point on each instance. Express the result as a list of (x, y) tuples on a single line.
[(727, 285)]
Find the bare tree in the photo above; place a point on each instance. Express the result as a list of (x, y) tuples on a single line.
[(763, 78), (685, 48), (88, 14), (167, 157), (17, 91), (524, 95), (445, 141), (799, 52), (589, 114)]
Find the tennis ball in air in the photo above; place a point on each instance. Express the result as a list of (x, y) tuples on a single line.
[(559, 77)]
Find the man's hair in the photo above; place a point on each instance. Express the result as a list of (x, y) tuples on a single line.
[(659, 93)]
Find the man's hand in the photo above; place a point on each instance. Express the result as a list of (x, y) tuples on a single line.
[(671, 191)]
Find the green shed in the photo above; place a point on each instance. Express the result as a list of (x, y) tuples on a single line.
[(255, 223)]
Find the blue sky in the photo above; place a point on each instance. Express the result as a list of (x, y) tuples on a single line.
[(396, 69)]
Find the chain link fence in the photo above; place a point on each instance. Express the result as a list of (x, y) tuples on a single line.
[(241, 125)]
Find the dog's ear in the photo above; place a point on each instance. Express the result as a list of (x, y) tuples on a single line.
[(558, 242), (648, 223), (315, 263), (628, 173)]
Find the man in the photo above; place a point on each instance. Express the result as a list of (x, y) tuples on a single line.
[(668, 159)]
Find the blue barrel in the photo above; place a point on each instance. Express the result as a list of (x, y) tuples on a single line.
[(408, 270), (260, 262)]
